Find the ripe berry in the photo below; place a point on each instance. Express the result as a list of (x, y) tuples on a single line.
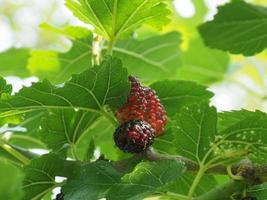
[(143, 104), (134, 136)]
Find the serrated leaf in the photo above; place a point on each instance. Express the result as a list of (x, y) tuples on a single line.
[(198, 138), (239, 27), (13, 62), (40, 176), (258, 191), (176, 94), (114, 18), (154, 58), (59, 66), (89, 91), (202, 64), (11, 181), (146, 178), (91, 181), (61, 129), (227, 119), (195, 127)]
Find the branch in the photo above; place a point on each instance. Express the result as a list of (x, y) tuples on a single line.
[(254, 172)]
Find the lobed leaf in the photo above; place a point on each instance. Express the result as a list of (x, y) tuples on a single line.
[(90, 91)]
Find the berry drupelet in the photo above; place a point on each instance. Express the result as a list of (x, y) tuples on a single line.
[(143, 104)]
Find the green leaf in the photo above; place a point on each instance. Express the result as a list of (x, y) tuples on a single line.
[(258, 191), (40, 176), (102, 133), (90, 91), (5, 91), (114, 18), (239, 27), (4, 87), (198, 139), (176, 94), (153, 58), (182, 185), (62, 128), (146, 178), (165, 143), (59, 66), (202, 64), (91, 181), (27, 137), (227, 119), (195, 127), (11, 181), (248, 134), (13, 62)]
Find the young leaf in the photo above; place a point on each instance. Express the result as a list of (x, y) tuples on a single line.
[(91, 181), (239, 27), (58, 67), (90, 91), (11, 181), (62, 128), (13, 62), (146, 178), (40, 176), (176, 94), (154, 58), (114, 18)]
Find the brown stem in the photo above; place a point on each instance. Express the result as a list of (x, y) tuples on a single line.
[(254, 172)]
